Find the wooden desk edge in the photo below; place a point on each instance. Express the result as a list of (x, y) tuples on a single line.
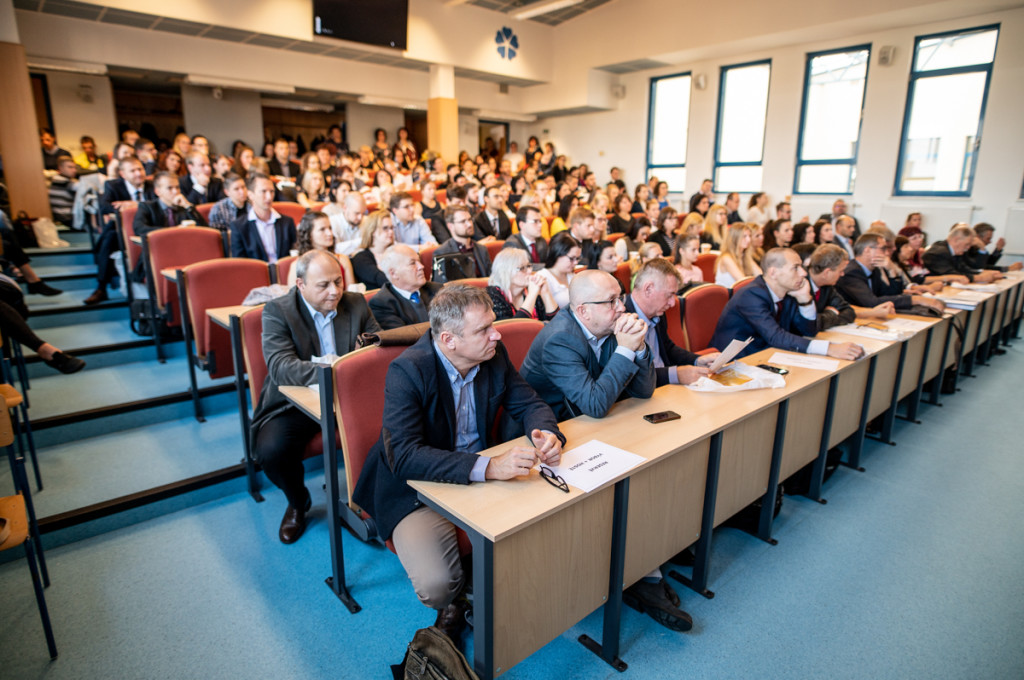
[(305, 399)]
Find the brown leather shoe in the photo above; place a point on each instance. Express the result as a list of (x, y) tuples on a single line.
[(292, 525), (452, 620), (99, 295)]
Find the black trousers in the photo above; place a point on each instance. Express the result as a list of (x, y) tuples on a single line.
[(280, 444), (13, 313), (106, 245)]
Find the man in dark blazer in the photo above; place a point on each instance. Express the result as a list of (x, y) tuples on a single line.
[(653, 294), (838, 210), (531, 225), (170, 209), (826, 266), (981, 256), (582, 228), (777, 310), (263, 234), (460, 224), (313, 320), (947, 257), (441, 398), (405, 298), (199, 185), (861, 283), (492, 222), (280, 165), (131, 188)]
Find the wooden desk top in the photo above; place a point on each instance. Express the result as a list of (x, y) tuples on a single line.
[(137, 240), (222, 315), (500, 508), (305, 398), (171, 274)]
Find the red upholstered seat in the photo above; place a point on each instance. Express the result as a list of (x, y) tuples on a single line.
[(133, 251), (625, 276), (478, 281), (493, 248), (204, 210), (218, 283), (612, 238), (283, 266), (742, 282), (427, 258), (442, 196), (317, 206), (706, 262), (517, 335), (416, 195), (175, 248), (704, 304), (292, 210), (674, 324)]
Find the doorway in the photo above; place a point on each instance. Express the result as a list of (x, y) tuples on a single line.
[(493, 138)]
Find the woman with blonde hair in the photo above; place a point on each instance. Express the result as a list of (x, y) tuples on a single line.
[(313, 189), (376, 234), (737, 259), (714, 225), (516, 290)]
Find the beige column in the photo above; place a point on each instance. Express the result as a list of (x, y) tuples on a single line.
[(443, 113)]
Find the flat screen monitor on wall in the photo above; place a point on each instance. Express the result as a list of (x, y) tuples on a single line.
[(374, 22)]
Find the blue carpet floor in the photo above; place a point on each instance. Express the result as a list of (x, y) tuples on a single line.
[(914, 569)]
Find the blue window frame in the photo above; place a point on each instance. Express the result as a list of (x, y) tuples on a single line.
[(830, 120), (668, 119), (942, 123), (742, 112)]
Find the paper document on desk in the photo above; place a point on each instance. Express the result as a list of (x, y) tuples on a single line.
[(876, 329), (590, 465), (911, 325), (980, 287), (804, 361), (728, 354), (737, 378)]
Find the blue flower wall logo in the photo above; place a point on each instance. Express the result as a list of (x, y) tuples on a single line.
[(508, 43)]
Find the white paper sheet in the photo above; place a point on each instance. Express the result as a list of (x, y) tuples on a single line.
[(590, 465), (911, 325), (891, 334), (804, 361), (982, 287), (729, 353)]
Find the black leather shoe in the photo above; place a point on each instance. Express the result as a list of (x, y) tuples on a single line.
[(99, 295), (683, 558), (293, 523), (452, 620), (660, 602), (65, 363), (40, 288)]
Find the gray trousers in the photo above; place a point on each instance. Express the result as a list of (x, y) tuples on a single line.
[(429, 550)]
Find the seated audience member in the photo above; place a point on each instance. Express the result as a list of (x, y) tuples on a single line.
[(737, 258), (199, 185), (862, 282), (604, 258), (652, 210), (170, 209), (492, 223), (345, 223), (586, 359), (145, 151), (778, 234), (844, 229), (637, 235), (233, 207), (777, 309), (622, 221), (824, 233), (732, 207), (783, 211), (902, 256), (529, 238), (441, 397), (826, 266), (475, 262), (14, 311), (200, 144), (430, 207), (516, 290), (88, 160), (666, 231), (661, 194), (130, 189), (700, 204), (244, 156), (313, 189), (979, 256), (63, 186), (51, 152), (839, 211), (565, 207), (222, 166), (947, 257), (583, 229), (263, 234), (281, 164), (376, 235), (757, 241), (563, 255), (715, 223), (173, 162), (757, 208), (409, 229), (14, 256), (315, 319), (654, 293), (803, 232), (405, 298), (687, 251), (314, 233)]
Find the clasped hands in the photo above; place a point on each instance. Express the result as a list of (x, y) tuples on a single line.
[(519, 460)]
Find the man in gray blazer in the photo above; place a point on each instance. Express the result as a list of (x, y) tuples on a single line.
[(314, 320)]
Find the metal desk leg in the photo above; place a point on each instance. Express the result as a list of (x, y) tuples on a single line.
[(1018, 310), (933, 398), (609, 647), (858, 437), (702, 560), (336, 581), (990, 336), (764, 525), (190, 357), (967, 358), (889, 417), (915, 397), (818, 471), (483, 606), (252, 478)]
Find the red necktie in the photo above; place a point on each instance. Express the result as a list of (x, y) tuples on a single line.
[(170, 217), (817, 295), (533, 252), (778, 310)]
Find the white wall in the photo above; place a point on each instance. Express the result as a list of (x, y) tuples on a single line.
[(237, 116), (74, 117), (8, 26), (361, 120)]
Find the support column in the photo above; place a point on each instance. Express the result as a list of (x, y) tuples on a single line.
[(443, 113), (19, 132)]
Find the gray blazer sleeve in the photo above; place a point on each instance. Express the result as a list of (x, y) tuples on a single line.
[(566, 366)]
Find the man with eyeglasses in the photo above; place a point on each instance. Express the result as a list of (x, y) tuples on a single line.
[(531, 226), (409, 229), (441, 398), (861, 283), (492, 223), (474, 261)]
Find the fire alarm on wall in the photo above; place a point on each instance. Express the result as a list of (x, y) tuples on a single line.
[(886, 55)]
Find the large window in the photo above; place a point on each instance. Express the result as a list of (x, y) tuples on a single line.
[(945, 109), (666, 130), (826, 158), (742, 109)]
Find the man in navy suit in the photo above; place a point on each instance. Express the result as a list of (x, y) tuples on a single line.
[(777, 310), (441, 397), (199, 185), (263, 234), (492, 223), (531, 225), (170, 209)]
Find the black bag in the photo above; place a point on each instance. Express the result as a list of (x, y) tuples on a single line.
[(799, 483), (453, 266), (749, 518), (24, 232), (142, 321), (433, 656)]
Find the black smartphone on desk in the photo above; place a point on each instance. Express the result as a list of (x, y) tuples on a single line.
[(661, 417), (774, 369)]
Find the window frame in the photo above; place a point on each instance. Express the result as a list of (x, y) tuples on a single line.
[(718, 125), (852, 162), (652, 96), (915, 76)]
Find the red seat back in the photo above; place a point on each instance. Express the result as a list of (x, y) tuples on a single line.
[(625, 276), (517, 335), (493, 248), (251, 327), (674, 324), (317, 206), (283, 266), (706, 262), (176, 248), (219, 283), (204, 210), (292, 210), (612, 238), (427, 258), (416, 195), (742, 282), (478, 281), (442, 196), (704, 304), (127, 225)]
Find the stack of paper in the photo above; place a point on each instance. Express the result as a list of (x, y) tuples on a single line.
[(981, 287), (878, 330)]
